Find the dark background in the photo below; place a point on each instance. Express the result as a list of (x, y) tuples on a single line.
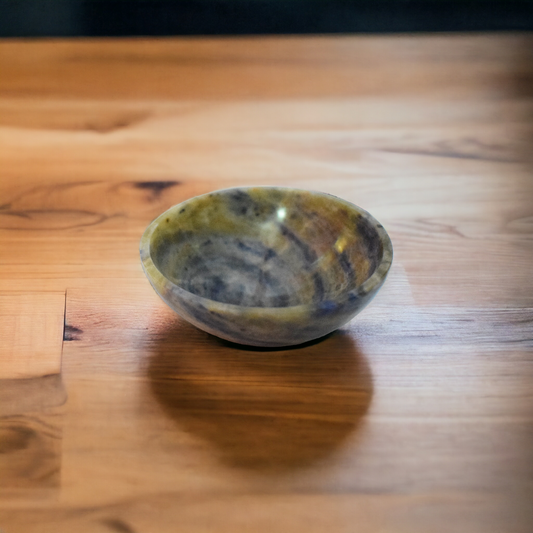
[(55, 18)]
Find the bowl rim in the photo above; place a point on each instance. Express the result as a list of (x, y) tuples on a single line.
[(369, 286)]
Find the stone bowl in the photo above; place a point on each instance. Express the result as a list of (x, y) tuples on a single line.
[(266, 266)]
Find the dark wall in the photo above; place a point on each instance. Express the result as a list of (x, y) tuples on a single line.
[(32, 18)]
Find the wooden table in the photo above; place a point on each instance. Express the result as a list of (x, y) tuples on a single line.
[(116, 416)]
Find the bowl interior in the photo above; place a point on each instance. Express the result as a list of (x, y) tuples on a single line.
[(266, 247)]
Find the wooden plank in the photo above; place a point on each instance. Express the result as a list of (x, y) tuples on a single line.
[(31, 393), (246, 68), (464, 191), (314, 513), (31, 329), (422, 390)]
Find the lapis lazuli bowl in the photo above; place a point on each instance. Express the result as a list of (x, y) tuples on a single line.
[(266, 266)]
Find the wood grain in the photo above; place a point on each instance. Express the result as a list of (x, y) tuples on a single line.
[(30, 455), (414, 418)]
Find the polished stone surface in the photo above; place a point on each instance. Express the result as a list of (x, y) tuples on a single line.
[(266, 266)]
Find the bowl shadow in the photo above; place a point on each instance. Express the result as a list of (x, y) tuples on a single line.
[(266, 410)]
